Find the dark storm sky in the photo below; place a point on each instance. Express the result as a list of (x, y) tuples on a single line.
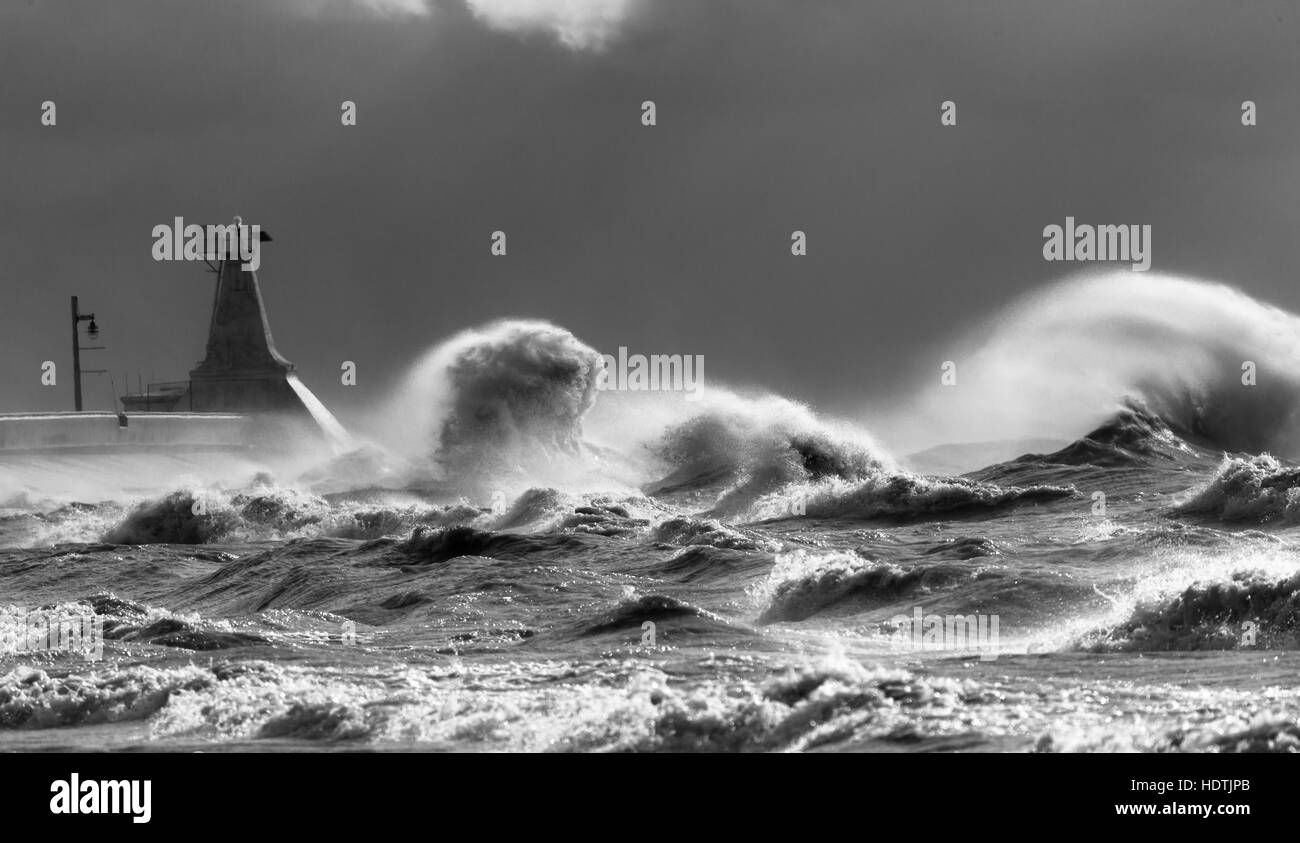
[(773, 116)]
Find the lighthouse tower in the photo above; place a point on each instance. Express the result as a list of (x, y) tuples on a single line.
[(242, 371)]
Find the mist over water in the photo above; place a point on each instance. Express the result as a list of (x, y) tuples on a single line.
[(336, 436), (496, 407), (1062, 360), (708, 574), (517, 403), (518, 399)]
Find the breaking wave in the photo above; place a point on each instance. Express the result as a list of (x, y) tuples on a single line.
[(757, 445), (182, 517), (1204, 357), (1133, 436), (1256, 490), (804, 584), (1212, 615), (907, 496), (193, 517), (503, 401)]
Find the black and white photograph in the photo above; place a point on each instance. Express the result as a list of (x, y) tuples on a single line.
[(394, 378)]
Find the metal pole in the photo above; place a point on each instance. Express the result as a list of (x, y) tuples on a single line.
[(76, 355)]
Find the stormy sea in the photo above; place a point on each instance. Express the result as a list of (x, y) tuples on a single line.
[(1096, 551)]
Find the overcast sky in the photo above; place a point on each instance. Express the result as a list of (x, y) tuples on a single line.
[(524, 116)]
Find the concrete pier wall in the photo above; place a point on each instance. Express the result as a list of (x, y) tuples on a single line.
[(35, 432)]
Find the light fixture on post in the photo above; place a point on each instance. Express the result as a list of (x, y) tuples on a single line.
[(92, 331)]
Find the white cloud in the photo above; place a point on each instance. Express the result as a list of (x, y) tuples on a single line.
[(401, 7), (383, 7), (577, 24)]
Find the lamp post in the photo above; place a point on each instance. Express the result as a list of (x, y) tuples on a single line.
[(92, 331)]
